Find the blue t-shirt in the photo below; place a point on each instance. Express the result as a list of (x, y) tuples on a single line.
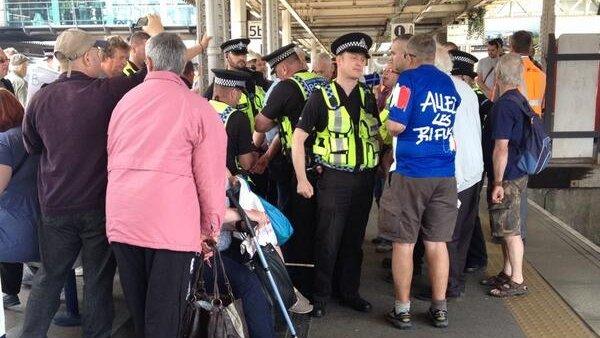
[(19, 207), (425, 101), (507, 121)]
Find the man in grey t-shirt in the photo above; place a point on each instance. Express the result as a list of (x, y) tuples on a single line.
[(485, 67)]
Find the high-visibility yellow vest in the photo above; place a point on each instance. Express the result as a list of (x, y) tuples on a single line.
[(384, 115), (307, 83), (223, 109), (343, 145), (251, 107), (130, 68)]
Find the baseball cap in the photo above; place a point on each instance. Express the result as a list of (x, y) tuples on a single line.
[(73, 43), (18, 59)]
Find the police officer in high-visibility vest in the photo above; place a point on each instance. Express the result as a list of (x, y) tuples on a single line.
[(251, 100), (228, 87), (283, 109), (344, 116)]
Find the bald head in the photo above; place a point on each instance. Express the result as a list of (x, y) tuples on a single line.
[(323, 66)]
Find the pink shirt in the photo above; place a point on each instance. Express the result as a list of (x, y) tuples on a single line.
[(166, 167)]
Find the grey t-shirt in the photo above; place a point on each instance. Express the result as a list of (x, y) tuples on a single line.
[(485, 70)]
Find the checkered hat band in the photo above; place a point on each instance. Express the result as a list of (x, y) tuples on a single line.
[(281, 57), (230, 83), (237, 46), (462, 59), (343, 47)]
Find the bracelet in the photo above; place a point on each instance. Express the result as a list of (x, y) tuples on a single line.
[(497, 183)]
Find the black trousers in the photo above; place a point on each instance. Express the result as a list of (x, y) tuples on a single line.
[(477, 255), (61, 239), (155, 283), (345, 201), (11, 275), (461, 239), (300, 248)]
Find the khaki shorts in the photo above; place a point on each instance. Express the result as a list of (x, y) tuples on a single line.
[(505, 217), (410, 205)]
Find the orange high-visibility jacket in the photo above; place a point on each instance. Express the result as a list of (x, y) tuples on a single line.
[(533, 85)]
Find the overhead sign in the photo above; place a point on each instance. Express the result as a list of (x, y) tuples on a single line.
[(255, 29), (399, 29)]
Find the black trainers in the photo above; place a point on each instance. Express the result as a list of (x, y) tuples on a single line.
[(439, 318), (400, 320)]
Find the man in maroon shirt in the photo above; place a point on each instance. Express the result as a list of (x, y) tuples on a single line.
[(66, 122)]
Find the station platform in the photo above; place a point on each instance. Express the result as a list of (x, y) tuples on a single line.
[(562, 270)]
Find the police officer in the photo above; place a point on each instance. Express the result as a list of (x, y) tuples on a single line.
[(344, 116), (227, 90), (251, 100), (283, 109)]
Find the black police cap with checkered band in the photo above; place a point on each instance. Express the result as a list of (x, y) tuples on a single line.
[(236, 46), (463, 63), (352, 42), (279, 55), (230, 78)]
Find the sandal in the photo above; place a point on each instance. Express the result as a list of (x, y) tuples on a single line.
[(496, 280), (509, 289)]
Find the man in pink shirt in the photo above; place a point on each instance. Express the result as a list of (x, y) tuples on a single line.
[(166, 187)]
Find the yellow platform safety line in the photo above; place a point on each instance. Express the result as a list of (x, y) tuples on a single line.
[(542, 312)]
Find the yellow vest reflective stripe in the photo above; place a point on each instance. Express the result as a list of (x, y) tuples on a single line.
[(129, 69), (383, 117), (307, 82), (250, 107), (223, 109), (339, 144)]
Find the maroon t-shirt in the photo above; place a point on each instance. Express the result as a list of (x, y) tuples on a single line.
[(67, 122)]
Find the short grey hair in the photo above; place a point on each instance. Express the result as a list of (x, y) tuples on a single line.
[(423, 46), (509, 70), (167, 52)]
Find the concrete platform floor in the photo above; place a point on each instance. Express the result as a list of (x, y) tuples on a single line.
[(562, 270)]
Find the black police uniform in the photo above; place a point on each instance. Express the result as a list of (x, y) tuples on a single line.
[(237, 126), (344, 198), (287, 100)]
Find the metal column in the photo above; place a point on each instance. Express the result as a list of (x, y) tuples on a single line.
[(217, 21), (547, 26), (286, 27), (239, 19), (270, 23)]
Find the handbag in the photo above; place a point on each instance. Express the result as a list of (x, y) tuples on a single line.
[(216, 315), (281, 225), (279, 273)]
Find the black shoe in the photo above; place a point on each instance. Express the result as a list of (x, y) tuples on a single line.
[(426, 295), (474, 268), (357, 304), (10, 301), (400, 320), (318, 310), (439, 318)]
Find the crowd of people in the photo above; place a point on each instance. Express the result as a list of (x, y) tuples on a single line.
[(121, 162)]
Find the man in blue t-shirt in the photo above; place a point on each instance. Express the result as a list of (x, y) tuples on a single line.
[(506, 180), (421, 193)]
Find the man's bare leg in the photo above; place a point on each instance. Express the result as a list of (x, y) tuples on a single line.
[(439, 265), (515, 250), (402, 270)]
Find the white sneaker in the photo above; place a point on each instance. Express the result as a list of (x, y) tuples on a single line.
[(302, 305)]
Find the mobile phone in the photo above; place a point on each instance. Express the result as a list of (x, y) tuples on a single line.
[(141, 22)]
